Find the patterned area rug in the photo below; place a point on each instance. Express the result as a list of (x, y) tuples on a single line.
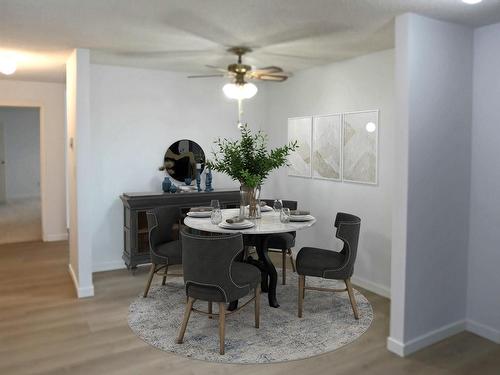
[(327, 324)]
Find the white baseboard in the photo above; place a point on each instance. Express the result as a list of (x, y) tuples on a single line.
[(395, 346), (483, 330), (55, 237), (381, 290), (405, 349), (80, 292), (109, 266)]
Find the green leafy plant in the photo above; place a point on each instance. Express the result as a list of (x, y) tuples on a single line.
[(248, 160)]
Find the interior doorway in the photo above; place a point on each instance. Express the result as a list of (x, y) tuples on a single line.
[(20, 197)]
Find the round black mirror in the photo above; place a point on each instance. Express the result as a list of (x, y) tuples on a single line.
[(182, 159)]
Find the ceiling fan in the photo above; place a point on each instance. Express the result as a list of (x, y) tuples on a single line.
[(240, 73)]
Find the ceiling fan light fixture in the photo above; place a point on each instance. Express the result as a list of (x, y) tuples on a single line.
[(237, 91), (8, 65)]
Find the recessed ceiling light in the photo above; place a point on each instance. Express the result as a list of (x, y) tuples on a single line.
[(472, 2)]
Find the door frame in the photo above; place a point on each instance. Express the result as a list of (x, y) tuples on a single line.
[(43, 170)]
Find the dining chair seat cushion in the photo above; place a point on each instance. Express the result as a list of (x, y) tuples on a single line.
[(167, 253), (312, 261), (281, 241), (244, 275)]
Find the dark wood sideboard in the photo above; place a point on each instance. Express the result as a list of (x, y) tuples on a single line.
[(135, 225)]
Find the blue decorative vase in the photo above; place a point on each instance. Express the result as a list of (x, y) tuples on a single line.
[(166, 184), (208, 180), (173, 188)]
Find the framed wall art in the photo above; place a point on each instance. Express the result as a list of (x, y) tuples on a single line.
[(300, 130), (327, 147), (360, 146)]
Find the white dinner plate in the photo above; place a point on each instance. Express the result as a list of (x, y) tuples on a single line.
[(199, 214), (301, 217), (243, 225)]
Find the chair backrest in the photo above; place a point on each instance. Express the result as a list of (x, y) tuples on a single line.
[(161, 225), (348, 231), (207, 262), (292, 205)]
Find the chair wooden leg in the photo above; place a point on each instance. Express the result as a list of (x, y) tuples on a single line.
[(289, 251), (210, 310), (222, 326), (257, 306), (150, 278), (302, 282), (283, 267), (164, 281), (187, 313), (351, 298)]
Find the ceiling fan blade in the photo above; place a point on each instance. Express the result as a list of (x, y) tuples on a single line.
[(271, 77), (217, 68), (268, 70), (206, 75)]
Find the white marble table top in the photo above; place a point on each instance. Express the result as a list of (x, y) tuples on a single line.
[(267, 224)]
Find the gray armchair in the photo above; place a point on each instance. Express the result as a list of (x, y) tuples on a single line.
[(211, 274), (165, 249), (330, 264)]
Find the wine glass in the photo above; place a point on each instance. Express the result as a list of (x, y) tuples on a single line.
[(285, 215), (216, 216), (215, 204), (278, 205)]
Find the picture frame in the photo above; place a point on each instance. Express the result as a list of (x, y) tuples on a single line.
[(300, 130), (327, 147), (360, 147)]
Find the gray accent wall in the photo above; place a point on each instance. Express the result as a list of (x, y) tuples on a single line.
[(483, 293), (431, 216)]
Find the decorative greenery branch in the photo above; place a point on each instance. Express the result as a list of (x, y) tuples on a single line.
[(247, 160)]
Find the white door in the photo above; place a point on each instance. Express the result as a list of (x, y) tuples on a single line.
[(2, 166)]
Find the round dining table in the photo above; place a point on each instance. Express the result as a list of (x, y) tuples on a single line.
[(268, 224)]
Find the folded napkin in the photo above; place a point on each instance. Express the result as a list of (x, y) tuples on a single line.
[(200, 209), (299, 212), (235, 220)]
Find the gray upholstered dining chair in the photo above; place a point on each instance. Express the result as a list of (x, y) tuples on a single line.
[(282, 242), (164, 248), (211, 274), (330, 264)]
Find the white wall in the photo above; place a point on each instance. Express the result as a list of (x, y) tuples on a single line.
[(434, 91), (80, 173), (22, 151), (50, 98), (359, 84), (135, 115), (483, 301)]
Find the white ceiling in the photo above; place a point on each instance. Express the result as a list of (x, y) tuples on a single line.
[(184, 35)]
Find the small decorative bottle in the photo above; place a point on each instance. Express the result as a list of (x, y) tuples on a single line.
[(208, 180), (198, 177)]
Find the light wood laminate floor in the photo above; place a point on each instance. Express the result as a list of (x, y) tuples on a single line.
[(44, 329), (20, 220)]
